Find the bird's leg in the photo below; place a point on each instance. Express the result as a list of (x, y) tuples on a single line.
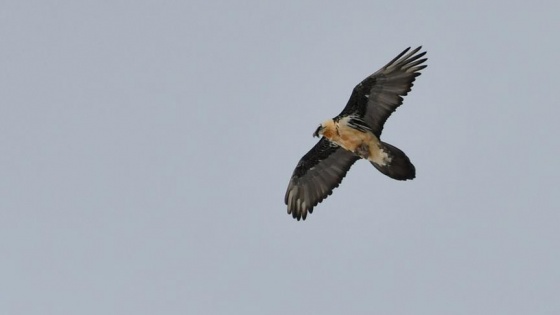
[(362, 150)]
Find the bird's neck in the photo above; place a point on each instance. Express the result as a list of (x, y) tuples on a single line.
[(330, 131)]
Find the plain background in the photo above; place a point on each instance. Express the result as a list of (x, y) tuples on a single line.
[(146, 147)]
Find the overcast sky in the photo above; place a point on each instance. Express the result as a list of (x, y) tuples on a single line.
[(146, 147)]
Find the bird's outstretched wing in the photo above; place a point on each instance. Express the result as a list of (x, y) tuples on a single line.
[(318, 172), (379, 95)]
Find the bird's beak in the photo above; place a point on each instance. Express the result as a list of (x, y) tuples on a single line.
[(316, 133)]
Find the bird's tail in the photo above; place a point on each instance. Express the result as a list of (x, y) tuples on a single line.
[(400, 167)]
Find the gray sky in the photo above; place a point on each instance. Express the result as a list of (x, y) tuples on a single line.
[(147, 146)]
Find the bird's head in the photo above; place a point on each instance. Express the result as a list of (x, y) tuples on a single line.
[(319, 131)]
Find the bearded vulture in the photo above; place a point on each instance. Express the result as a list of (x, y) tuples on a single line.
[(355, 134)]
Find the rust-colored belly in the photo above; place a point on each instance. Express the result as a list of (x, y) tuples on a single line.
[(363, 144)]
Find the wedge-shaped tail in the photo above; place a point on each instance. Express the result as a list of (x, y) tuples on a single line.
[(400, 167)]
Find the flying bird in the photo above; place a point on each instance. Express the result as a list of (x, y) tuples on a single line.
[(355, 134)]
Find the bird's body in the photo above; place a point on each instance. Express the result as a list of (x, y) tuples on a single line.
[(363, 143), (355, 134)]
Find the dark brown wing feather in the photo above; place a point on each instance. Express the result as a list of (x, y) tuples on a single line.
[(379, 95), (316, 175)]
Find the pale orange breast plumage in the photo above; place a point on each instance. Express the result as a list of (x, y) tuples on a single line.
[(365, 144)]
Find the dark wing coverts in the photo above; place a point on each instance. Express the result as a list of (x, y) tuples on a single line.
[(316, 175), (379, 95)]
